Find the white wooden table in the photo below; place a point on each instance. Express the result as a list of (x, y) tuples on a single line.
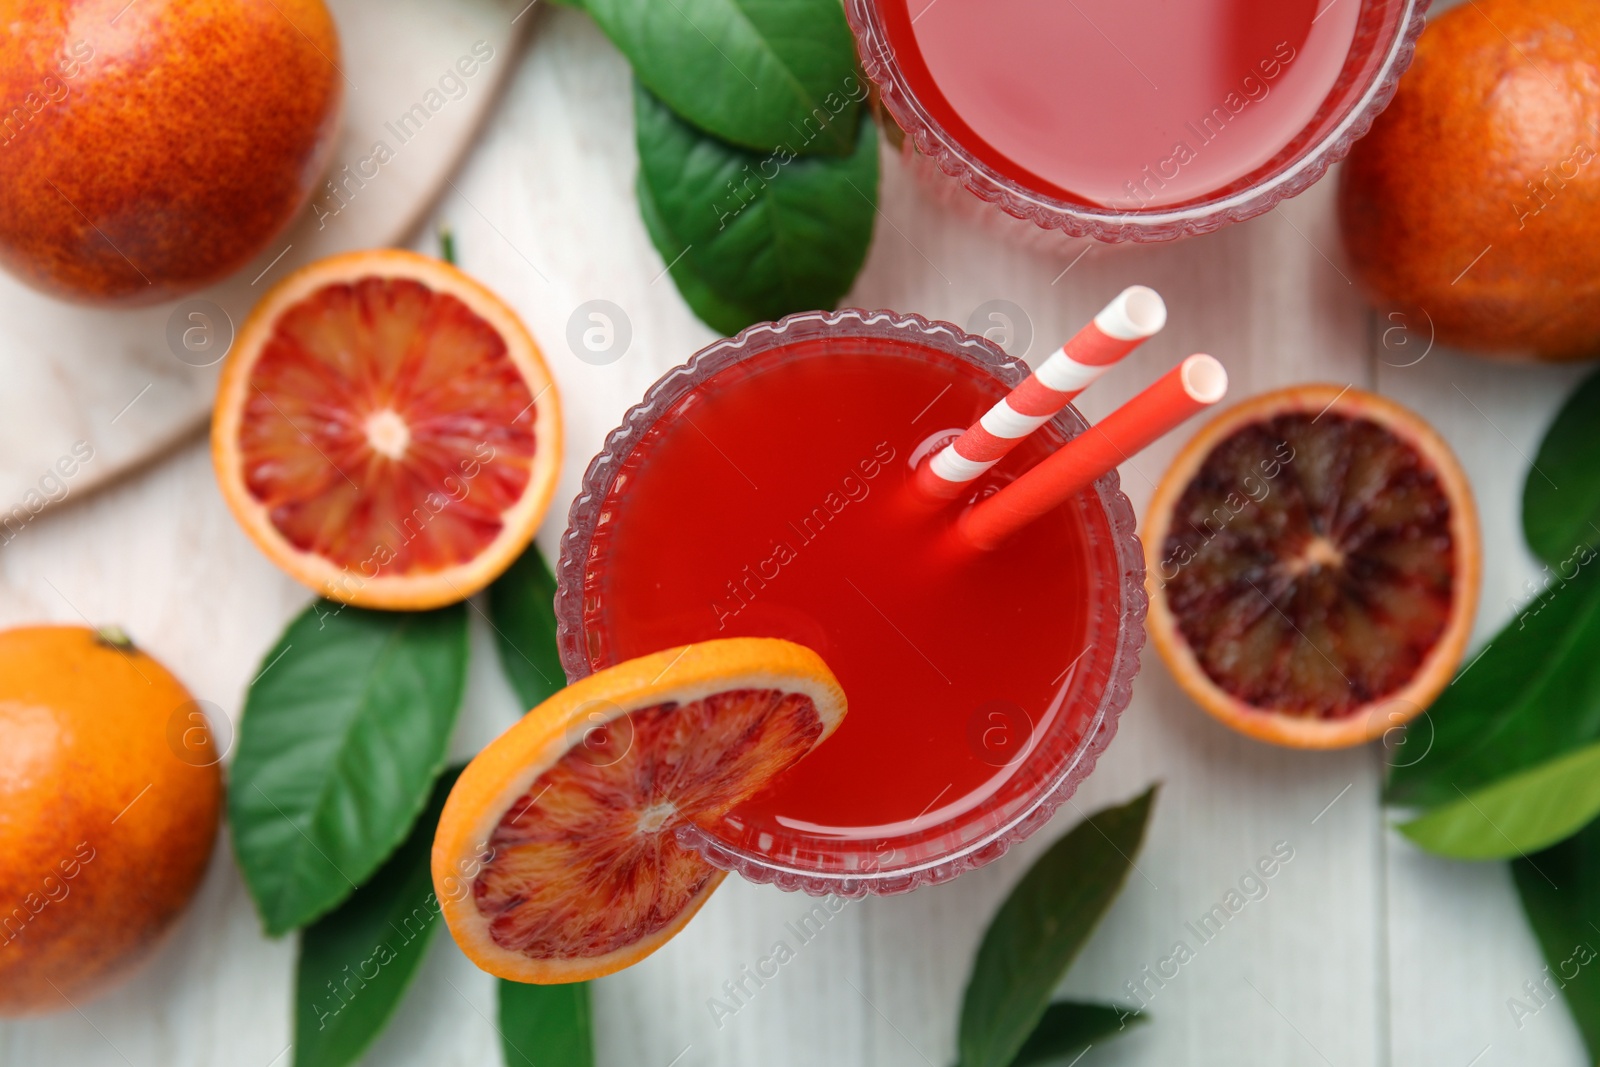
[(1364, 953)]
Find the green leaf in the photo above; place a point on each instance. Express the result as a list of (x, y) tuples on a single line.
[(1560, 890), (1532, 695), (356, 962), (1070, 1028), (721, 315), (546, 1025), (344, 730), (767, 235), (1561, 498), (763, 74), (1521, 813), (522, 608), (1040, 928)]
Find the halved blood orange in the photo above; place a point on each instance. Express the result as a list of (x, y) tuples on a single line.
[(556, 858), (1313, 561), (386, 430)]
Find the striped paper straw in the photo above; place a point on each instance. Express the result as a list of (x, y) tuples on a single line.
[(1136, 314), (1190, 387)]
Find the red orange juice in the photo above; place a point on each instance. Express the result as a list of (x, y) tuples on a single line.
[(771, 497), (1200, 94), (1182, 113)]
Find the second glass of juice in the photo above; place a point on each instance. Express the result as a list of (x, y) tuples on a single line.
[(1137, 120), (764, 489)]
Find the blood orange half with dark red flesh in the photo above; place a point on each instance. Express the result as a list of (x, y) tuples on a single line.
[(387, 431), (557, 857), (1314, 565)]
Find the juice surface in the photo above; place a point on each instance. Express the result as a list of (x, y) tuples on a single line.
[(772, 502), (1125, 104)]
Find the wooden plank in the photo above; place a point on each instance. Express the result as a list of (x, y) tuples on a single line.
[(1460, 948), (1227, 800), (161, 556)]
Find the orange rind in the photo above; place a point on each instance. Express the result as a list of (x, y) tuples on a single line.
[(1313, 560), (386, 431), (556, 858)]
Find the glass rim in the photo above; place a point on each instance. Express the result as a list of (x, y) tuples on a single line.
[(1053, 789), (1104, 224)]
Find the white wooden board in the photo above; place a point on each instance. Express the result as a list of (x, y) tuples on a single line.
[(1362, 954), (119, 383)]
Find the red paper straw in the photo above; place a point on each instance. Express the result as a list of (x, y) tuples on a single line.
[(1191, 386), (1121, 326)]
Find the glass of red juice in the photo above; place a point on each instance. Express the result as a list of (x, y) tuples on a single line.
[(1139, 120), (764, 489)]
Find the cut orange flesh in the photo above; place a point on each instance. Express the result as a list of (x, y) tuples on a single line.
[(556, 858), (387, 431), (1313, 559)]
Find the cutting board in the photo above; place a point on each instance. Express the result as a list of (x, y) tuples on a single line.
[(122, 386)]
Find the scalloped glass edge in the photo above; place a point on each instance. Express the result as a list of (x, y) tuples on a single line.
[(1075, 220), (1120, 522)]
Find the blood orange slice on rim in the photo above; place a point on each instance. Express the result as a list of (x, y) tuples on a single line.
[(386, 430), (1313, 559), (556, 858)]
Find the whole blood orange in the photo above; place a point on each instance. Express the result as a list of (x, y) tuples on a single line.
[(1313, 562), (109, 796), (148, 149), (556, 858), (1474, 203), (387, 431)]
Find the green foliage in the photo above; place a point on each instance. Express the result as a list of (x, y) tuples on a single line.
[(344, 731)]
